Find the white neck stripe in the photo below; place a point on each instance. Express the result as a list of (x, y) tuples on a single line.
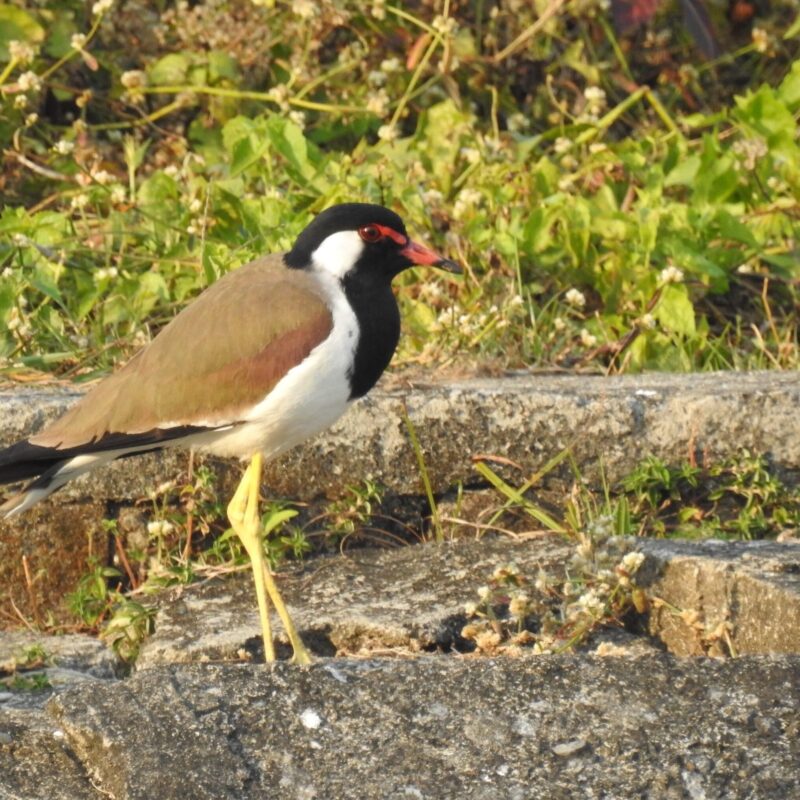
[(338, 253)]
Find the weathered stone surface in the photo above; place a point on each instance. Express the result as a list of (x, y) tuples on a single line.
[(442, 727), (528, 419), (746, 595), (61, 660), (413, 598), (410, 598), (434, 726), (36, 763)]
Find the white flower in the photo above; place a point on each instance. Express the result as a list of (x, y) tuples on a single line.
[(21, 52), (760, 40), (517, 122), (389, 65), (298, 117), (588, 339), (576, 298), (647, 321), (377, 78), (14, 320), (445, 25), (79, 201), (631, 562), (160, 527), (559, 324), (29, 81), (378, 103), (304, 9), (118, 194), (470, 609), (519, 606), (133, 79), (484, 592), (562, 145), (20, 101), (670, 274), (31, 119), (102, 176), (467, 199), (388, 133), (64, 147), (77, 41), (106, 272), (432, 197), (101, 6), (471, 154), (595, 99), (592, 603)]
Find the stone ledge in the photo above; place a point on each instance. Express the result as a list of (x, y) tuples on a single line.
[(613, 422), (528, 419), (412, 599)]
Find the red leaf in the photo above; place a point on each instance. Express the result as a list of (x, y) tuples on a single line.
[(630, 14)]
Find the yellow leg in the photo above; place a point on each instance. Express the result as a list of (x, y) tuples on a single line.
[(243, 515), (244, 508)]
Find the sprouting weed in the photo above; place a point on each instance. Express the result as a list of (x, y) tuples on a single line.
[(547, 614)]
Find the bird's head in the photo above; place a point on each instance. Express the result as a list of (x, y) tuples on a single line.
[(363, 242)]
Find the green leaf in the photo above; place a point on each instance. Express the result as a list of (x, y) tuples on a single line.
[(789, 89), (684, 173), (17, 25), (793, 30), (287, 138), (244, 154), (675, 310), (278, 518), (158, 192), (170, 69), (222, 66), (731, 228)]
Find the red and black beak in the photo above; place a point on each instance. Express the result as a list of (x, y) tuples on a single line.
[(418, 254)]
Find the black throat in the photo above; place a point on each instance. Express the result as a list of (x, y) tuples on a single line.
[(379, 331)]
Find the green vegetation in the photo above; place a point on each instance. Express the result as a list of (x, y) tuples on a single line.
[(23, 671), (620, 204), (739, 498)]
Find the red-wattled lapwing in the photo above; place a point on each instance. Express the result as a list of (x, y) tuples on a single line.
[(272, 353)]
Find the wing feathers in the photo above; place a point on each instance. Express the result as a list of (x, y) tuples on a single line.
[(214, 361)]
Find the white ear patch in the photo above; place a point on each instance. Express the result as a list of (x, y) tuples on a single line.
[(338, 253)]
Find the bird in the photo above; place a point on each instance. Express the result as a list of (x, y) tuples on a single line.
[(269, 355)]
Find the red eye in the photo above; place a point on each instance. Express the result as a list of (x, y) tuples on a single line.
[(370, 233)]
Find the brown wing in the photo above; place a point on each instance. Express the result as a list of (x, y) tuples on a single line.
[(220, 356)]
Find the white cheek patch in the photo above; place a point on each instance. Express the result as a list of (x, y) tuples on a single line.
[(338, 253)]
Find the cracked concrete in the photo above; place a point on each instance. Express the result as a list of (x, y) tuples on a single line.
[(639, 723)]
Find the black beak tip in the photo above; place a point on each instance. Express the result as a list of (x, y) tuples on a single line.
[(449, 266)]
